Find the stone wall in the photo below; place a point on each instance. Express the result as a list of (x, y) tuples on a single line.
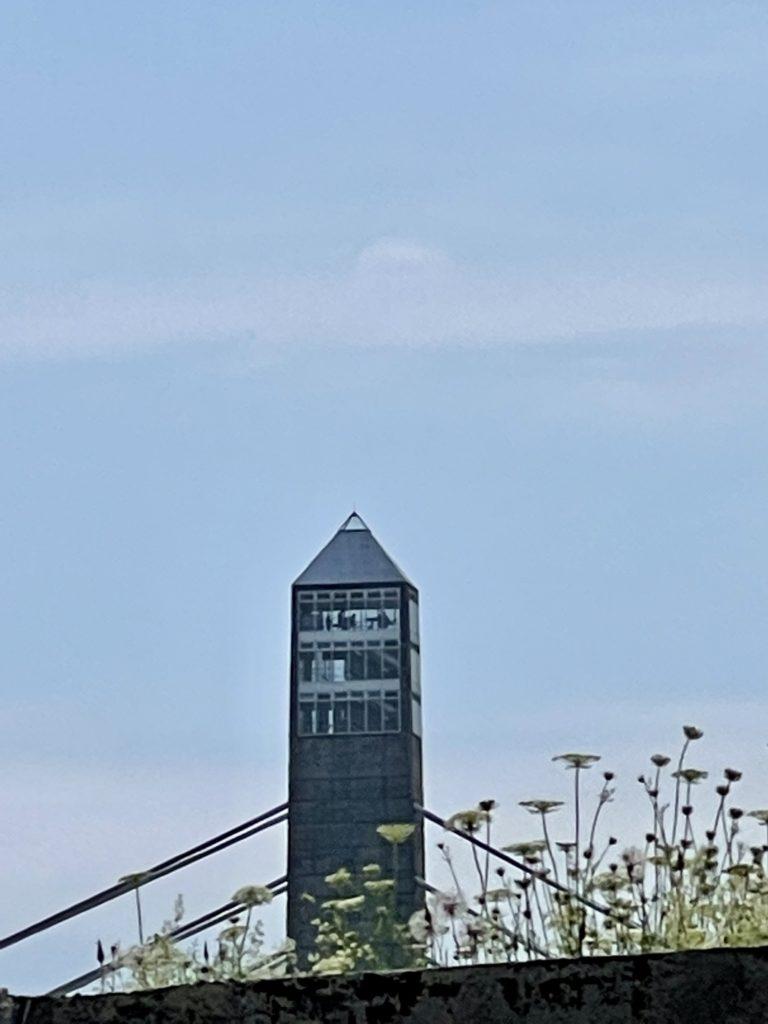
[(707, 987)]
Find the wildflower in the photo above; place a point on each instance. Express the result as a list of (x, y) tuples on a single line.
[(467, 821), (371, 870), (735, 813), (347, 905), (531, 849), (690, 775), (541, 806), (253, 895), (732, 774), (451, 904), (487, 805), (396, 834), (660, 760), (420, 925), (634, 861), (760, 815), (379, 885), (339, 878), (742, 870), (497, 895), (692, 733), (336, 964), (578, 760)]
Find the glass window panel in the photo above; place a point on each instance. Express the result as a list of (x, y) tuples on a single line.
[(415, 671), (357, 664), (357, 713), (306, 666), (326, 667), (323, 719), (306, 715), (391, 664), (391, 712), (339, 666), (373, 707), (413, 621), (373, 664), (416, 716), (369, 617), (384, 619), (340, 714)]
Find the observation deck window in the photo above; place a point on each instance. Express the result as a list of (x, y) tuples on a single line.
[(348, 611), (347, 712), (349, 662)]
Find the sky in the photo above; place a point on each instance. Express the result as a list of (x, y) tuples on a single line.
[(494, 274)]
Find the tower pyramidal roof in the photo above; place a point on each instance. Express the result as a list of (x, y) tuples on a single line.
[(352, 556)]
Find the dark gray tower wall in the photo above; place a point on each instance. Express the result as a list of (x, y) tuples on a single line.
[(355, 723)]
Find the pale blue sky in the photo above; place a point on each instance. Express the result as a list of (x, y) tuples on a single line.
[(494, 273)]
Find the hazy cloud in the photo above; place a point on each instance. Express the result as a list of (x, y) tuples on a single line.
[(395, 293)]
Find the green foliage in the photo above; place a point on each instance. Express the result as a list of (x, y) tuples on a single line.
[(675, 889), (358, 929), (238, 953), (680, 887)]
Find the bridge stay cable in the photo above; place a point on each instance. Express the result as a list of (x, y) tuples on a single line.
[(178, 934), (274, 816), (601, 908)]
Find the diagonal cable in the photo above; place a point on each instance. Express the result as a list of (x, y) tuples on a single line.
[(200, 924), (593, 904), (249, 828)]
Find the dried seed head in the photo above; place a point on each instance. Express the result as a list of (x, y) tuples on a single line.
[(732, 774), (660, 760), (692, 733)]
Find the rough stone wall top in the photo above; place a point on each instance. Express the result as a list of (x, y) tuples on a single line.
[(708, 987)]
